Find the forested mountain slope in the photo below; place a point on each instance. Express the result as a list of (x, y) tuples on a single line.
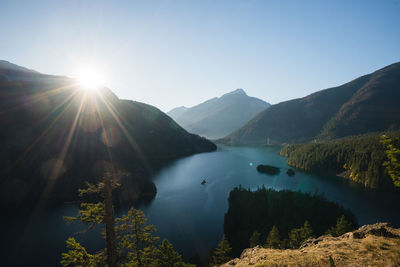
[(56, 135), (358, 158), (369, 103)]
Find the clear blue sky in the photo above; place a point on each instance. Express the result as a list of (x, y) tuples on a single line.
[(173, 53)]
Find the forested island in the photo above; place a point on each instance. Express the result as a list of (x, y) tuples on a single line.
[(281, 219), (268, 169), (360, 158)]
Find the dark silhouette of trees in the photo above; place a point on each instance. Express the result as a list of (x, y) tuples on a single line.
[(342, 226), (298, 235), (297, 215), (255, 239), (168, 257)]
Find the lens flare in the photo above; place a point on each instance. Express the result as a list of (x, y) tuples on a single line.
[(89, 78)]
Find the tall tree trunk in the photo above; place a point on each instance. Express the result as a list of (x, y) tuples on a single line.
[(109, 220)]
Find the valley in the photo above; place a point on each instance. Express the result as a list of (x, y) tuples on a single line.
[(191, 215)]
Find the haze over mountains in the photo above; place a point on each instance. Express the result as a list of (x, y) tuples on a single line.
[(370, 103), (56, 135), (218, 117)]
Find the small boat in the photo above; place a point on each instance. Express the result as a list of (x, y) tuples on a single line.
[(203, 182)]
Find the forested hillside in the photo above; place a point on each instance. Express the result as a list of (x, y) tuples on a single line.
[(261, 210), (358, 158), (56, 135), (368, 104)]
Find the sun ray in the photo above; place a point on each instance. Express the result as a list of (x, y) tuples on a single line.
[(49, 127), (104, 129), (56, 169), (126, 133), (39, 96)]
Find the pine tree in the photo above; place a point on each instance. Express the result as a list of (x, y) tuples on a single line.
[(136, 239), (255, 239), (134, 242), (109, 221), (298, 235), (307, 230), (99, 213), (168, 257), (295, 238), (78, 256), (393, 163), (273, 239), (222, 252), (342, 226)]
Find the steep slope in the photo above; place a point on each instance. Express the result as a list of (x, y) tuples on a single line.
[(8, 66), (56, 135), (177, 112), (367, 104), (218, 117), (370, 245), (359, 158), (374, 107)]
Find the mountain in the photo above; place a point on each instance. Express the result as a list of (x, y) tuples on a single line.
[(177, 112), (8, 66), (218, 117), (370, 103), (370, 245), (56, 135)]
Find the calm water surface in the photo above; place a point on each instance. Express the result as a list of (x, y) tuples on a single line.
[(191, 215)]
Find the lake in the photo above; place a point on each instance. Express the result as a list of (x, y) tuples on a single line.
[(190, 214)]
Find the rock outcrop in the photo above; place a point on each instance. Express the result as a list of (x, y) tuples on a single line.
[(370, 245)]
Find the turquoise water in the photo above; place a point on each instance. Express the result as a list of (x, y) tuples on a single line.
[(191, 215)]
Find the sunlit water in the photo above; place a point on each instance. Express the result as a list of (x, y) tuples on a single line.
[(191, 215)]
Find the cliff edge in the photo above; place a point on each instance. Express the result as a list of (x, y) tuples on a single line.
[(370, 245)]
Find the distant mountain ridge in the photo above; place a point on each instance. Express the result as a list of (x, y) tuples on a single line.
[(370, 103), (6, 65), (56, 135), (218, 117)]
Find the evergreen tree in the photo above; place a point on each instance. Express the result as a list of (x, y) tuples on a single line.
[(168, 257), (255, 239), (342, 226), (298, 235), (222, 252), (393, 163), (273, 239), (99, 213), (307, 230), (135, 238), (295, 238), (134, 242), (78, 256)]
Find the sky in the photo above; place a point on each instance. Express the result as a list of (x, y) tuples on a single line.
[(180, 53)]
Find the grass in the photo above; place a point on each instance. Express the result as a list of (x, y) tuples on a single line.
[(344, 251)]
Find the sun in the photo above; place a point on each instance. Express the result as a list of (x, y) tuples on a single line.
[(89, 78)]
